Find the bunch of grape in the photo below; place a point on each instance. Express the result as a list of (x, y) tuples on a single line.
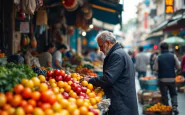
[(38, 71)]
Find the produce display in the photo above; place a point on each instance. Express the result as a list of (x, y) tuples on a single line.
[(179, 78), (12, 74), (85, 71), (158, 108), (148, 78), (57, 93), (2, 55)]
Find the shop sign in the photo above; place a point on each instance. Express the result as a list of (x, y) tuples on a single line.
[(169, 6), (24, 27)]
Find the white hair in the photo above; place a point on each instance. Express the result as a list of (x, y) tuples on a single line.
[(106, 35)]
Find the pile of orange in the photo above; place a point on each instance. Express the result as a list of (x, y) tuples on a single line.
[(179, 78), (159, 108), (37, 96), (86, 71)]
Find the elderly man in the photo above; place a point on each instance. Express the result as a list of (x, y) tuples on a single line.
[(118, 80)]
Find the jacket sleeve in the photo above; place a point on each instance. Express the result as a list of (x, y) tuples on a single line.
[(114, 69), (183, 62), (177, 64), (137, 63), (155, 66)]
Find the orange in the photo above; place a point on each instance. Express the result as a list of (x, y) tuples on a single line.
[(52, 80), (32, 102), (24, 81), (97, 99), (29, 84), (79, 102), (69, 82), (91, 95), (64, 112), (84, 83), (72, 108), (28, 109), (45, 106), (2, 99), (88, 91), (67, 88), (86, 104), (73, 95), (35, 95), (90, 86), (18, 88), (43, 87), (74, 75), (38, 111), (55, 90), (53, 85), (59, 97), (93, 101), (72, 100), (16, 100), (9, 96), (76, 112), (90, 113), (19, 111), (83, 110), (60, 84), (61, 90), (11, 111), (42, 78), (56, 107), (36, 81), (4, 113), (64, 103), (49, 112), (6, 106)]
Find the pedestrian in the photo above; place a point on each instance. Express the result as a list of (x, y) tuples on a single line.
[(152, 59), (118, 80), (165, 65), (45, 58), (141, 63), (57, 57)]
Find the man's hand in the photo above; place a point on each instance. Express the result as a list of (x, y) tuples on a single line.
[(85, 78)]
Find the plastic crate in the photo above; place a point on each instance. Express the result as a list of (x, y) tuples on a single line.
[(149, 85)]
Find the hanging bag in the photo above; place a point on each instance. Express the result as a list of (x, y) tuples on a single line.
[(42, 18), (29, 6)]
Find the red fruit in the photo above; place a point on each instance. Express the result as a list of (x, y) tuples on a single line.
[(59, 78), (23, 103), (18, 88), (67, 78), (35, 95), (84, 89), (79, 90), (57, 72), (81, 97), (9, 96), (26, 93), (45, 106), (65, 95), (50, 74), (52, 99), (82, 94), (28, 109), (62, 73), (46, 95)]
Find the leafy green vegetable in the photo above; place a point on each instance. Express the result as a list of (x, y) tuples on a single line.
[(12, 74)]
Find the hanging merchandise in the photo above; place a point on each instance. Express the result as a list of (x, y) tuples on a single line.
[(24, 40), (29, 6), (42, 18), (24, 27), (33, 42), (39, 3), (70, 30), (22, 15), (70, 5), (16, 2)]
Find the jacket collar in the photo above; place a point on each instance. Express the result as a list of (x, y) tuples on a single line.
[(165, 51), (115, 47)]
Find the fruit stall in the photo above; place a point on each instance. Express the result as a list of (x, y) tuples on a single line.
[(41, 91)]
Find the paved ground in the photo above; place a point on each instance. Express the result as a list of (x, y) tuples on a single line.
[(181, 100)]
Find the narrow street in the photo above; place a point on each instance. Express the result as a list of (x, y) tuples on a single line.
[(181, 99)]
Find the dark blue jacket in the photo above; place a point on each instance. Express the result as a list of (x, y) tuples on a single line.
[(166, 65), (118, 82)]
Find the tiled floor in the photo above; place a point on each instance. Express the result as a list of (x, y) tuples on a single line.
[(181, 100)]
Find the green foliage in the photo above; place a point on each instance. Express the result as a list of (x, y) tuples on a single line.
[(11, 74)]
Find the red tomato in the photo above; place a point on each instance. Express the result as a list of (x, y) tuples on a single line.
[(23, 103), (57, 72), (9, 96), (18, 88), (35, 95), (45, 106), (62, 73), (50, 74), (26, 93)]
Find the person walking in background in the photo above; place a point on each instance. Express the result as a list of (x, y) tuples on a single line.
[(57, 57), (45, 58), (183, 65), (131, 54), (152, 59), (141, 63), (165, 65), (118, 80)]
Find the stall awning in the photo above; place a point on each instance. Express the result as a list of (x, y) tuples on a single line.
[(106, 11), (156, 35)]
